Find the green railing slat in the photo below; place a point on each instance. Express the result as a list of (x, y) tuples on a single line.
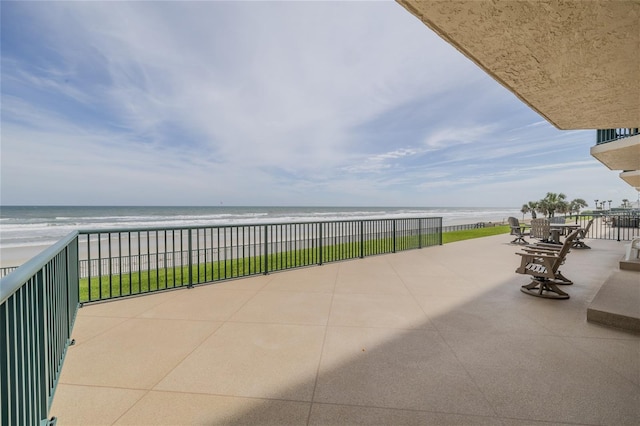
[(610, 135)]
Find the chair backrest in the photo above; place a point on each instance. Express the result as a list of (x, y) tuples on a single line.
[(540, 228), (584, 231), (514, 223), (566, 246)]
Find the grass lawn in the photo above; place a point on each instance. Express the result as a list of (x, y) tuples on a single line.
[(450, 237)]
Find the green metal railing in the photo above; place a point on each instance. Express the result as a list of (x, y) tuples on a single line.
[(6, 270), (611, 135), (606, 226), (39, 300), (117, 263), (467, 226), (38, 305)]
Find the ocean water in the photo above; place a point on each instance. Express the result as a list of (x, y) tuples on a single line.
[(31, 226)]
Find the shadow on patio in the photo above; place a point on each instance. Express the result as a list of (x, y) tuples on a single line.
[(440, 335)]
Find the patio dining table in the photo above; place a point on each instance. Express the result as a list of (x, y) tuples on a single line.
[(558, 229)]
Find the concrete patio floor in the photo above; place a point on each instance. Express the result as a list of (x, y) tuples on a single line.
[(440, 335)]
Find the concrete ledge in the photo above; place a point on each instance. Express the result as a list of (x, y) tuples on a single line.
[(630, 265), (617, 304)]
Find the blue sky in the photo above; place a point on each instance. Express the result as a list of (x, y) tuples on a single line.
[(267, 103)]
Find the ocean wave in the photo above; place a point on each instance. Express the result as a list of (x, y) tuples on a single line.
[(36, 229)]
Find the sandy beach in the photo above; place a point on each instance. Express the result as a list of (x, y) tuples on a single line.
[(15, 256)]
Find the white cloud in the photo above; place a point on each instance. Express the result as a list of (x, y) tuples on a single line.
[(257, 103), (458, 136)]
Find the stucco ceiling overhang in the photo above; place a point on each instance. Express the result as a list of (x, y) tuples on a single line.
[(623, 154), (577, 63), (632, 178)]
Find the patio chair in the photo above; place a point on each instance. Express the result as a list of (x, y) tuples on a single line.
[(517, 230), (540, 229), (579, 243), (544, 266), (550, 249)]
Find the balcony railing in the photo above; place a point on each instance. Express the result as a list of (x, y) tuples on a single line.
[(612, 135), (6, 270), (38, 305), (607, 226), (467, 226), (39, 300), (116, 263)]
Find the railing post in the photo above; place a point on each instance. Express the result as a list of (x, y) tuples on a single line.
[(394, 235), (68, 290), (266, 251), (99, 266), (320, 243), (361, 239), (190, 248), (89, 268), (618, 222), (419, 233), (77, 256)]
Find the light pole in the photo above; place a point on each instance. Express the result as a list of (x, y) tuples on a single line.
[(596, 203), (609, 204)]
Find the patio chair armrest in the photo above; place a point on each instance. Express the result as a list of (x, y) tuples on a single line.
[(551, 252), (550, 256), (549, 245)]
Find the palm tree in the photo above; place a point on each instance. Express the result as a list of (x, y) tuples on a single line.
[(552, 202), (524, 210), (533, 205), (543, 207), (562, 207), (576, 205)]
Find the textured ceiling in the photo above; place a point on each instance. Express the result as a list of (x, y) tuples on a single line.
[(632, 178), (623, 154), (577, 63)]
